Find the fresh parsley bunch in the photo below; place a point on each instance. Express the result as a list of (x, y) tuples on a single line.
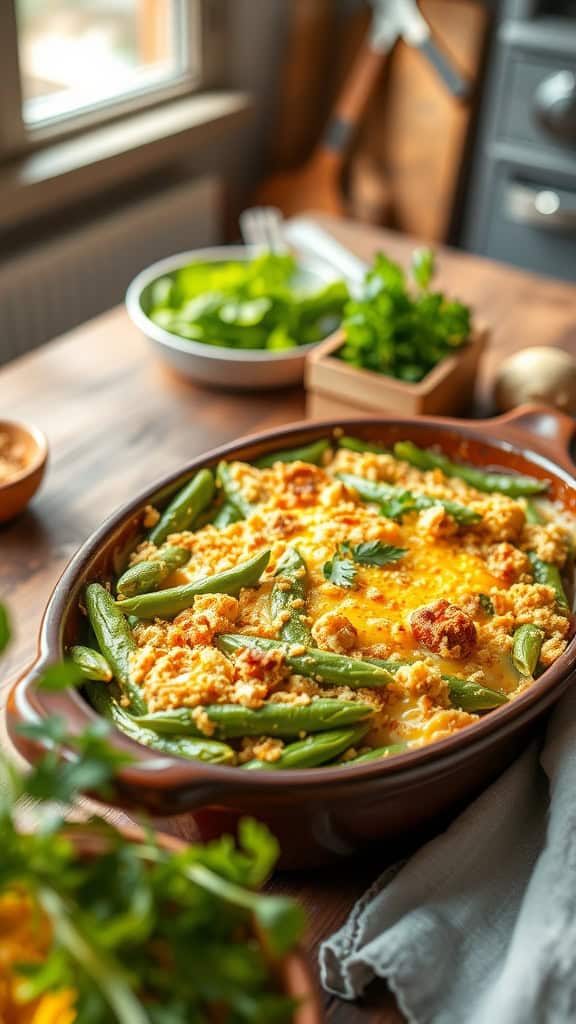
[(136, 934), (402, 328)]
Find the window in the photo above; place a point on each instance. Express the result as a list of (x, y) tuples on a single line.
[(85, 60), (77, 53)]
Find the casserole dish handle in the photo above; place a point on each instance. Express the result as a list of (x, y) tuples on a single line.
[(541, 427), (159, 783)]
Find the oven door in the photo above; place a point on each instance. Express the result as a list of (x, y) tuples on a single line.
[(532, 223)]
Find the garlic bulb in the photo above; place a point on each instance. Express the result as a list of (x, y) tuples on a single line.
[(541, 374)]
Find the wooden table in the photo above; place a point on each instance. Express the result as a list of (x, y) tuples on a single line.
[(116, 420)]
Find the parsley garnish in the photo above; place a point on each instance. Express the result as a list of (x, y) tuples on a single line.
[(486, 604), (374, 552), (341, 570)]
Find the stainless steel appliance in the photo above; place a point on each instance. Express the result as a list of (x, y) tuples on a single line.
[(521, 206)]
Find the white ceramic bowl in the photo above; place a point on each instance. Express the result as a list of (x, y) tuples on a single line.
[(229, 368)]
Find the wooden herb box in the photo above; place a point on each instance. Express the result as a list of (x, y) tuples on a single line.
[(334, 387)]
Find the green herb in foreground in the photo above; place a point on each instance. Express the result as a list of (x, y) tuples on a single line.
[(63, 676), (139, 935), (93, 768), (400, 329)]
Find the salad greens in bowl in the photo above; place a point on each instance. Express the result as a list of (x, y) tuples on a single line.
[(224, 317)]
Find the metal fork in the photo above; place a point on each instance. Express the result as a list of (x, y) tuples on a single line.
[(261, 228), (264, 229)]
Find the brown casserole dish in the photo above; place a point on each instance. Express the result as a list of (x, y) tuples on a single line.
[(321, 814)]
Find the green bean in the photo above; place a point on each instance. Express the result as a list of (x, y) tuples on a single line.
[(207, 516), (225, 515), (513, 486), (115, 641), (313, 751), (313, 453), (184, 507), (375, 754), (381, 493), (548, 574), (472, 697), (91, 663), (232, 721), (212, 751), (526, 647), (461, 514), (463, 693), (533, 514), (167, 603), (354, 444), (292, 601), (146, 576), (233, 493), (398, 506), (334, 669)]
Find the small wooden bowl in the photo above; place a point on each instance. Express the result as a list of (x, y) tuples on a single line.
[(16, 492)]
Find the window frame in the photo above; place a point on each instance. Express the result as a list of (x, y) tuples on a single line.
[(200, 18)]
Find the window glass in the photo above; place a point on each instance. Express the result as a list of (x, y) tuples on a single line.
[(75, 54)]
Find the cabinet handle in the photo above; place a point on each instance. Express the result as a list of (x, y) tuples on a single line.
[(540, 208)]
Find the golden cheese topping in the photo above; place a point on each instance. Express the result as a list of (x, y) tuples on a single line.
[(448, 604)]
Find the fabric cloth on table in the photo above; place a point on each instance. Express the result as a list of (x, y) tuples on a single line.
[(479, 926)]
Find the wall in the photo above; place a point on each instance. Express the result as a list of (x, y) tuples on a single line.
[(257, 33)]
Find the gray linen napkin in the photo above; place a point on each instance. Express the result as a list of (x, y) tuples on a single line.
[(479, 926)]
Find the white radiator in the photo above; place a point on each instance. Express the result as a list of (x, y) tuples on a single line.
[(57, 285)]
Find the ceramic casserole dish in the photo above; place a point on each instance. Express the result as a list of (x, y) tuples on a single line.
[(325, 813)]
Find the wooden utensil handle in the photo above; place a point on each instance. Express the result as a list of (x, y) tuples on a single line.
[(354, 98), (445, 67)]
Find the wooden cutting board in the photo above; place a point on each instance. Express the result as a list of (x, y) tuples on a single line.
[(415, 134), (317, 183)]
